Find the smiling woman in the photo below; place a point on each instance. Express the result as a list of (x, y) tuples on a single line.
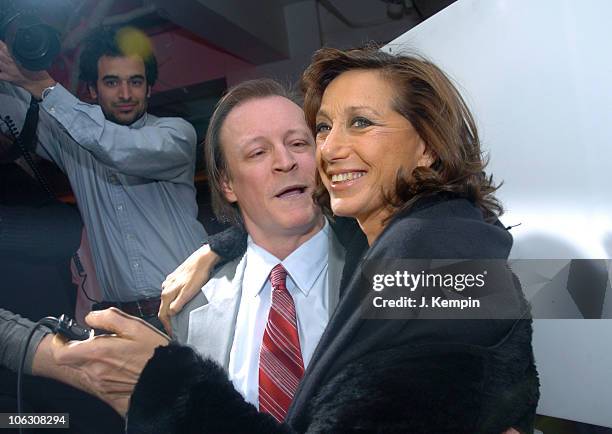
[(398, 150), (363, 143), (394, 128)]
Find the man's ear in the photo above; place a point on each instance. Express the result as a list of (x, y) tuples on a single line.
[(228, 189), (92, 91)]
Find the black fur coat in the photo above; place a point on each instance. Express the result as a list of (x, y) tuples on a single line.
[(432, 376)]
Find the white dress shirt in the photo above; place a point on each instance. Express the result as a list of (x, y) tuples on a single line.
[(308, 285)]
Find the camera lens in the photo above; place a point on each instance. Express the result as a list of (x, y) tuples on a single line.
[(31, 42)]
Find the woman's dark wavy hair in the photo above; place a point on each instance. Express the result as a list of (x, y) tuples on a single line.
[(103, 42), (427, 98)]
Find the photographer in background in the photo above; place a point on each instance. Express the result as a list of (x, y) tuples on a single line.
[(131, 172)]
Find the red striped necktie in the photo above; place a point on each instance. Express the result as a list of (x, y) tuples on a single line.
[(280, 360)]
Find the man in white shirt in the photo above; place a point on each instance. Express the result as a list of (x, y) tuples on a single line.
[(261, 166)]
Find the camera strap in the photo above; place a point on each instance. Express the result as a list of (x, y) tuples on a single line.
[(26, 142)]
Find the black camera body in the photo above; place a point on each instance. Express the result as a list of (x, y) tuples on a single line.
[(33, 44)]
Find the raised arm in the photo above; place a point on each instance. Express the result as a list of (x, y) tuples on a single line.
[(14, 103), (163, 149)]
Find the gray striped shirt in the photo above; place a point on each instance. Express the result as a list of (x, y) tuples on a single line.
[(133, 185)]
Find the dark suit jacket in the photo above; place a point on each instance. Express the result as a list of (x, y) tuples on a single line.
[(413, 375)]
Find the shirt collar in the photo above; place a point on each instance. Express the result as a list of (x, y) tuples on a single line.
[(140, 122), (302, 272)]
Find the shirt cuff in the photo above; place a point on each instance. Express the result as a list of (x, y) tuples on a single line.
[(65, 107)]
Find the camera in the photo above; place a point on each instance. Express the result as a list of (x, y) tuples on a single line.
[(33, 44)]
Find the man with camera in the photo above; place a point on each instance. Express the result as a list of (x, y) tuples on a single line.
[(131, 172)]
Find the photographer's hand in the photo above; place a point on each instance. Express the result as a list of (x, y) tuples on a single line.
[(32, 81), (107, 366)]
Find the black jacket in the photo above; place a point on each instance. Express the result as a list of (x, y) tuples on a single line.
[(376, 375)]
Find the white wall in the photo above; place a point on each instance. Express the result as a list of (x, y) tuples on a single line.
[(538, 76)]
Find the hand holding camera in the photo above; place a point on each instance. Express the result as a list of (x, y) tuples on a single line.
[(97, 364), (28, 47), (32, 81), (33, 43)]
